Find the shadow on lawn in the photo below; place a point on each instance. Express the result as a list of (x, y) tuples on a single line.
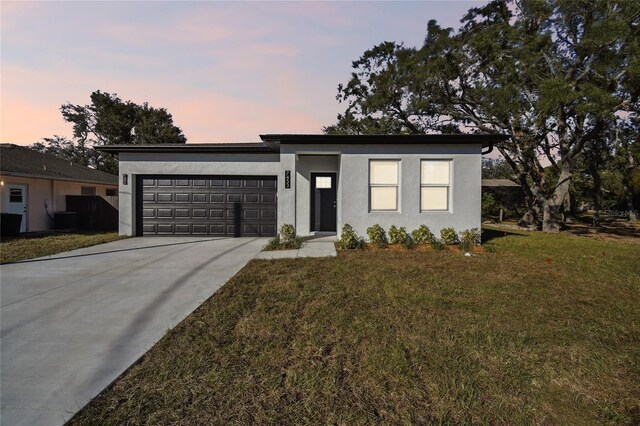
[(489, 234)]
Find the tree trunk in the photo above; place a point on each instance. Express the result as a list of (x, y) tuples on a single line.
[(552, 204), (628, 195), (597, 194), (551, 215)]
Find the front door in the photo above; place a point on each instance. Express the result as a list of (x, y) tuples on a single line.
[(18, 203), (323, 202)]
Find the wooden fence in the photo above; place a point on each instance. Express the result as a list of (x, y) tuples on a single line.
[(94, 212)]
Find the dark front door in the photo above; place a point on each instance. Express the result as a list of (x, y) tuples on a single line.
[(323, 202)]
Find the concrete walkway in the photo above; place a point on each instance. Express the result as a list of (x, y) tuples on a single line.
[(73, 322), (313, 247)]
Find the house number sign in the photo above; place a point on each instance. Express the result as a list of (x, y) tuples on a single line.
[(287, 179)]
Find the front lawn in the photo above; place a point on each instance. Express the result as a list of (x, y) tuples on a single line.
[(545, 330), (22, 248)]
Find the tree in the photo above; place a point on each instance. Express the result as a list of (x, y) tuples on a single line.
[(496, 169), (551, 74), (109, 120)]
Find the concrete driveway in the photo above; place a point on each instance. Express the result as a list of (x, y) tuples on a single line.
[(73, 322)]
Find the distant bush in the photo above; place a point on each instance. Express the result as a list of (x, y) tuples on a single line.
[(349, 239), (448, 236), (377, 235), (397, 235), (423, 235)]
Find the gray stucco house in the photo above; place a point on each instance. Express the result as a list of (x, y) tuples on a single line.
[(315, 182)]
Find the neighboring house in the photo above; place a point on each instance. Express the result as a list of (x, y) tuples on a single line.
[(315, 182), (36, 185)]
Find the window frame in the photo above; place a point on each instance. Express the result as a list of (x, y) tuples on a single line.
[(448, 187), (378, 185), (92, 189)]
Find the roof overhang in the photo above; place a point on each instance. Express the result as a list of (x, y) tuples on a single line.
[(487, 140), (271, 142), (252, 147)]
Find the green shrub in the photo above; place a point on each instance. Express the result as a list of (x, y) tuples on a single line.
[(285, 240), (490, 207), (273, 244), (423, 235), (377, 235), (465, 245), (469, 238), (437, 245), (409, 243), (397, 235), (349, 239), (448, 236)]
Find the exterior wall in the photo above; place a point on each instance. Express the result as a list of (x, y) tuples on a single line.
[(134, 164), (51, 192), (349, 161), (353, 186)]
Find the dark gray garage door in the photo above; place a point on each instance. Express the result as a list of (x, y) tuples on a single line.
[(207, 205)]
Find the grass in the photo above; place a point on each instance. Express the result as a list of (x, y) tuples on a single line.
[(537, 329), (31, 247)]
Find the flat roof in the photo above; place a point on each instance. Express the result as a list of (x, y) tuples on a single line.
[(271, 142), (248, 147), (461, 138)]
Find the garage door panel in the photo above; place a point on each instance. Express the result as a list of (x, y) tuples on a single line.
[(211, 205)]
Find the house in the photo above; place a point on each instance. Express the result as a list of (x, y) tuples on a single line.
[(318, 183), (35, 185)]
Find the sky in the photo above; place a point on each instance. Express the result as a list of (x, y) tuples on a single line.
[(226, 71)]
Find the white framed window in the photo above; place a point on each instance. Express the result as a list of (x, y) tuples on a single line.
[(383, 185), (435, 185)]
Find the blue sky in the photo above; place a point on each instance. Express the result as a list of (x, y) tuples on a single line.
[(226, 71)]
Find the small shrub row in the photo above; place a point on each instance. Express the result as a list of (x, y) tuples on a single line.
[(350, 240), (286, 239)]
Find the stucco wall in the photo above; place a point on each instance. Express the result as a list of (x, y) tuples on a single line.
[(39, 191), (353, 186), (351, 162), (134, 164)]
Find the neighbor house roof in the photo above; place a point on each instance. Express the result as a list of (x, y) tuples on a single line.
[(271, 142), (495, 183), (17, 160)]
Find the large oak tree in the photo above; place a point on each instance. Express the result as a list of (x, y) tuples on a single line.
[(109, 120), (555, 75)]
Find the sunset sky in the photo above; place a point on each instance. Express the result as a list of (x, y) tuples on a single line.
[(225, 71)]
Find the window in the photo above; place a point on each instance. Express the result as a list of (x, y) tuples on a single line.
[(88, 190), (434, 185), (111, 192), (383, 185), (323, 182), (15, 195)]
